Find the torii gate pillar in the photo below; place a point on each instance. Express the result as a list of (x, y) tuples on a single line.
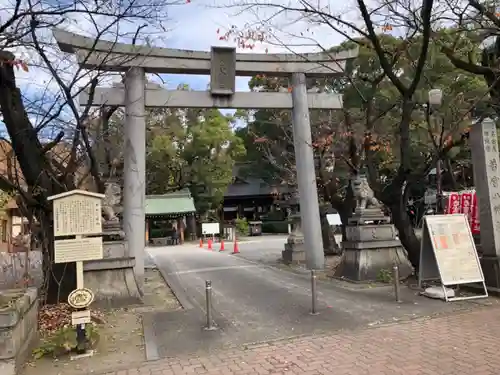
[(306, 175), (134, 189)]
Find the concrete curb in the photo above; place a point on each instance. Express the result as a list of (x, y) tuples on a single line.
[(150, 339), (175, 285)]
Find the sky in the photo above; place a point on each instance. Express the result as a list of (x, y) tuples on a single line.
[(197, 23), (193, 25)]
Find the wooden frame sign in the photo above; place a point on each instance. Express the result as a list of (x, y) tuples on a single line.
[(448, 253)]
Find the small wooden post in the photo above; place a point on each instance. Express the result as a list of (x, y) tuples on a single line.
[(78, 213)]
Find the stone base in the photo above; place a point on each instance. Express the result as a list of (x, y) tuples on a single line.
[(370, 233), (362, 216), (112, 279), (293, 256), (18, 331), (294, 252), (363, 261), (491, 271)]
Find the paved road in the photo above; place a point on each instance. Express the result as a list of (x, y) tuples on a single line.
[(265, 249), (465, 344), (255, 303)]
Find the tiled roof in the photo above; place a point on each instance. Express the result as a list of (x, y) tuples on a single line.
[(178, 202), (250, 186)]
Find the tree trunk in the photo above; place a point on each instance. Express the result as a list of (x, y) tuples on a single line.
[(330, 246), (59, 279), (406, 232), (345, 214), (39, 175), (345, 208)]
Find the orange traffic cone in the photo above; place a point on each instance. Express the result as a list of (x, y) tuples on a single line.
[(236, 249), (201, 243), (209, 244), (221, 245)]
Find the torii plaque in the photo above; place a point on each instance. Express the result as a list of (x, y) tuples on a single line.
[(223, 71)]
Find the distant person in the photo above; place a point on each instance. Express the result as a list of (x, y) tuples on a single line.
[(175, 235)]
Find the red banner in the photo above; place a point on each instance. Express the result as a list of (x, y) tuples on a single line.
[(474, 222), (466, 204), (453, 204)]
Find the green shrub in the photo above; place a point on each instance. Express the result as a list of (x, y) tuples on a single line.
[(274, 216), (242, 226), (275, 227), (384, 276), (159, 233), (63, 341)]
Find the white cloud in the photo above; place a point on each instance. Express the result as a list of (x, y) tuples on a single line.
[(192, 26), (198, 24), (118, 20)]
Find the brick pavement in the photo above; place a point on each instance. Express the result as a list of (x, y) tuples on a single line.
[(460, 344)]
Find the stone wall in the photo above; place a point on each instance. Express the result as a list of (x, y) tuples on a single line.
[(18, 328), (13, 267)]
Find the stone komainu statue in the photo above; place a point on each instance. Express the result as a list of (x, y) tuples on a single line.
[(363, 194), (110, 206)]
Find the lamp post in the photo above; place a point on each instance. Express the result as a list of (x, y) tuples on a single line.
[(435, 98)]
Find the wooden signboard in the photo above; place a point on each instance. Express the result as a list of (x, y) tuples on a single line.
[(80, 317), (76, 213), (448, 253), (210, 229), (78, 250)]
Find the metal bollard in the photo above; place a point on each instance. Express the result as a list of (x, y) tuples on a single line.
[(395, 278), (208, 291), (314, 295)]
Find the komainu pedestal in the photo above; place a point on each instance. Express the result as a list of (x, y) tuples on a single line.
[(371, 248), (112, 278)]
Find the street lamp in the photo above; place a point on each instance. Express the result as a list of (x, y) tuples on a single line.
[(435, 98)]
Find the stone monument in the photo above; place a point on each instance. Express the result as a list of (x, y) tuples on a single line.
[(372, 245), (112, 278), (486, 165)]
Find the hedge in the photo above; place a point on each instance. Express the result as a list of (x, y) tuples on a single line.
[(159, 233), (275, 227)]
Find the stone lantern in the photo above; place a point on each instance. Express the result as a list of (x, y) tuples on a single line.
[(294, 252)]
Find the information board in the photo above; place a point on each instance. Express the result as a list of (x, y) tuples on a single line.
[(448, 252), (210, 228), (78, 250), (77, 213), (80, 317), (333, 219)]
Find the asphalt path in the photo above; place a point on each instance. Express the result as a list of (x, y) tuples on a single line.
[(254, 302)]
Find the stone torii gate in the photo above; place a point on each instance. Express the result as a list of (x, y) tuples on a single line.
[(223, 64)]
